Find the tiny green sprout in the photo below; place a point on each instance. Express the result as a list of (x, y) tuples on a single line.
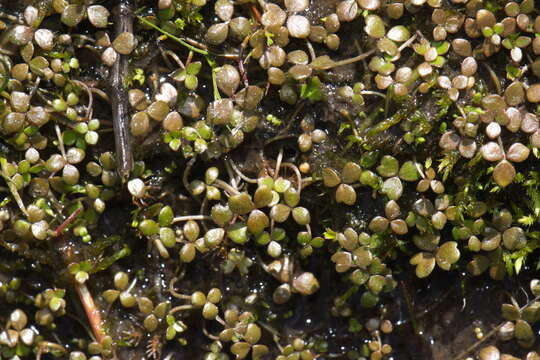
[(274, 120), (139, 76), (311, 90), (269, 38), (354, 325), (180, 23)]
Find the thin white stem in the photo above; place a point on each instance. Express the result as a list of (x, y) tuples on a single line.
[(224, 186), (298, 175), (234, 182), (192, 217), (278, 163), (240, 174), (89, 107), (311, 50), (180, 308), (60, 141), (348, 61), (176, 294), (376, 93)]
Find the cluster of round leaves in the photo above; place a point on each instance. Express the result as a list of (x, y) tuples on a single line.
[(427, 217), (519, 319), (130, 297), (358, 252), (17, 339)]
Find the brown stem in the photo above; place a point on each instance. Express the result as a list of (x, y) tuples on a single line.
[(256, 13), (185, 174), (241, 68), (348, 61), (102, 94), (208, 335), (89, 107), (87, 301), (180, 308), (119, 97), (92, 312), (44, 345), (175, 293), (224, 186), (241, 174), (71, 218)]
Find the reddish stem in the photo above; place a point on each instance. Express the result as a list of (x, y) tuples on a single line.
[(87, 301), (92, 312), (71, 218), (256, 13)]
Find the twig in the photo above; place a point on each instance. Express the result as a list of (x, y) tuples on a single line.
[(84, 38), (195, 43), (359, 48), (275, 334), (83, 325), (6, 52), (202, 210), (499, 141), (221, 321), (119, 97)]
